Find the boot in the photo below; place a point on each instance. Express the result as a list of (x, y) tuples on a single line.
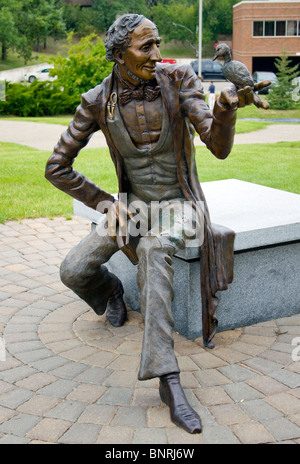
[(172, 394), (116, 312)]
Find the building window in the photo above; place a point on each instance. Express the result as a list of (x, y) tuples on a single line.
[(290, 28), (280, 28), (258, 28), (269, 28)]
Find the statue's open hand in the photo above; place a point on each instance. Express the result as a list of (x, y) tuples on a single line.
[(234, 98)]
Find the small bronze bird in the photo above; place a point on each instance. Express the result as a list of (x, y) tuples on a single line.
[(234, 71)]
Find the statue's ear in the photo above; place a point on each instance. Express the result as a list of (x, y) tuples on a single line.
[(118, 56)]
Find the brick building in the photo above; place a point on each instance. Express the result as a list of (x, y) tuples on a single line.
[(263, 29)]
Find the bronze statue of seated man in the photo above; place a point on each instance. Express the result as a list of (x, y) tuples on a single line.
[(148, 112)]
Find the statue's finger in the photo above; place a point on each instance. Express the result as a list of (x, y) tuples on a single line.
[(262, 85)]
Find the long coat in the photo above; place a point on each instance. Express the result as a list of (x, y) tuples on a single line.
[(183, 97)]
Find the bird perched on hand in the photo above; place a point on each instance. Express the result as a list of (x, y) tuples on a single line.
[(237, 73), (234, 71)]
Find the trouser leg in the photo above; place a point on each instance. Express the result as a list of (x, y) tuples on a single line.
[(155, 283), (83, 271)]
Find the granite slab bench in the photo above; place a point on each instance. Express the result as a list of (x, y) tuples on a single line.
[(267, 259)]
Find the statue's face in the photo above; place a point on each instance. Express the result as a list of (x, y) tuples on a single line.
[(141, 56)]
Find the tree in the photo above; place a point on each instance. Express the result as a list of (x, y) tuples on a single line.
[(41, 19), (84, 67), (179, 21), (106, 11), (9, 35), (281, 95)]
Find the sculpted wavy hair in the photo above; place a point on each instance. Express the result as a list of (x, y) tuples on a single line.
[(118, 35)]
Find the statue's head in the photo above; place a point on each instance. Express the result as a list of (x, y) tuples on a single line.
[(133, 43)]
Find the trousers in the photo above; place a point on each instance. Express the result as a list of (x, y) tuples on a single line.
[(84, 271)]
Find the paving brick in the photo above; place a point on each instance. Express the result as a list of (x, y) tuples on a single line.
[(100, 414), (241, 392), (146, 397), (177, 435), (87, 393), (20, 424), (266, 385), (49, 430), (70, 370), (288, 378), (13, 399), (259, 410), (131, 416), (207, 360), (263, 365), (252, 434), (285, 403), (67, 410), (229, 414), (36, 381), (81, 434), (48, 364), (94, 375), (38, 405), (115, 435), (237, 373), (13, 440), (219, 435), (146, 436), (60, 388), (17, 373), (211, 396), (122, 379), (5, 414), (117, 396), (282, 429)]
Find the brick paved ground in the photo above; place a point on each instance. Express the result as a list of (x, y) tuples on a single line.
[(69, 377)]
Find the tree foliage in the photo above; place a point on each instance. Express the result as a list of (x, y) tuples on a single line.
[(281, 95), (84, 67), (27, 23)]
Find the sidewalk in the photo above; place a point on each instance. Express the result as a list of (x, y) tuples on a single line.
[(25, 133), (69, 377)]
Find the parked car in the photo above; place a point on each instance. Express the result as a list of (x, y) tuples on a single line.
[(169, 60), (210, 69), (41, 75), (260, 76)]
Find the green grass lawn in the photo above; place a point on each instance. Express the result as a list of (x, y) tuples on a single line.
[(26, 194)]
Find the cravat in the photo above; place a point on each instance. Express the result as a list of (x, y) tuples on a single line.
[(145, 92)]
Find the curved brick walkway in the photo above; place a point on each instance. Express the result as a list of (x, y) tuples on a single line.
[(69, 377)]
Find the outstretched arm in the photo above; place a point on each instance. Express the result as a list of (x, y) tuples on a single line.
[(216, 129)]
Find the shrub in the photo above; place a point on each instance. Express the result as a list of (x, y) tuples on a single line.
[(84, 68), (37, 99)]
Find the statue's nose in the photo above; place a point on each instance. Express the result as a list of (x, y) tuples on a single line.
[(155, 55)]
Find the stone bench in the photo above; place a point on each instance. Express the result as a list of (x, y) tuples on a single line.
[(267, 259)]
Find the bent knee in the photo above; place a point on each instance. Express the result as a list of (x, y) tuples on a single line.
[(150, 244), (69, 275)]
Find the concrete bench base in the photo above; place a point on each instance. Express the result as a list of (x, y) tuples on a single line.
[(265, 287), (267, 259)]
